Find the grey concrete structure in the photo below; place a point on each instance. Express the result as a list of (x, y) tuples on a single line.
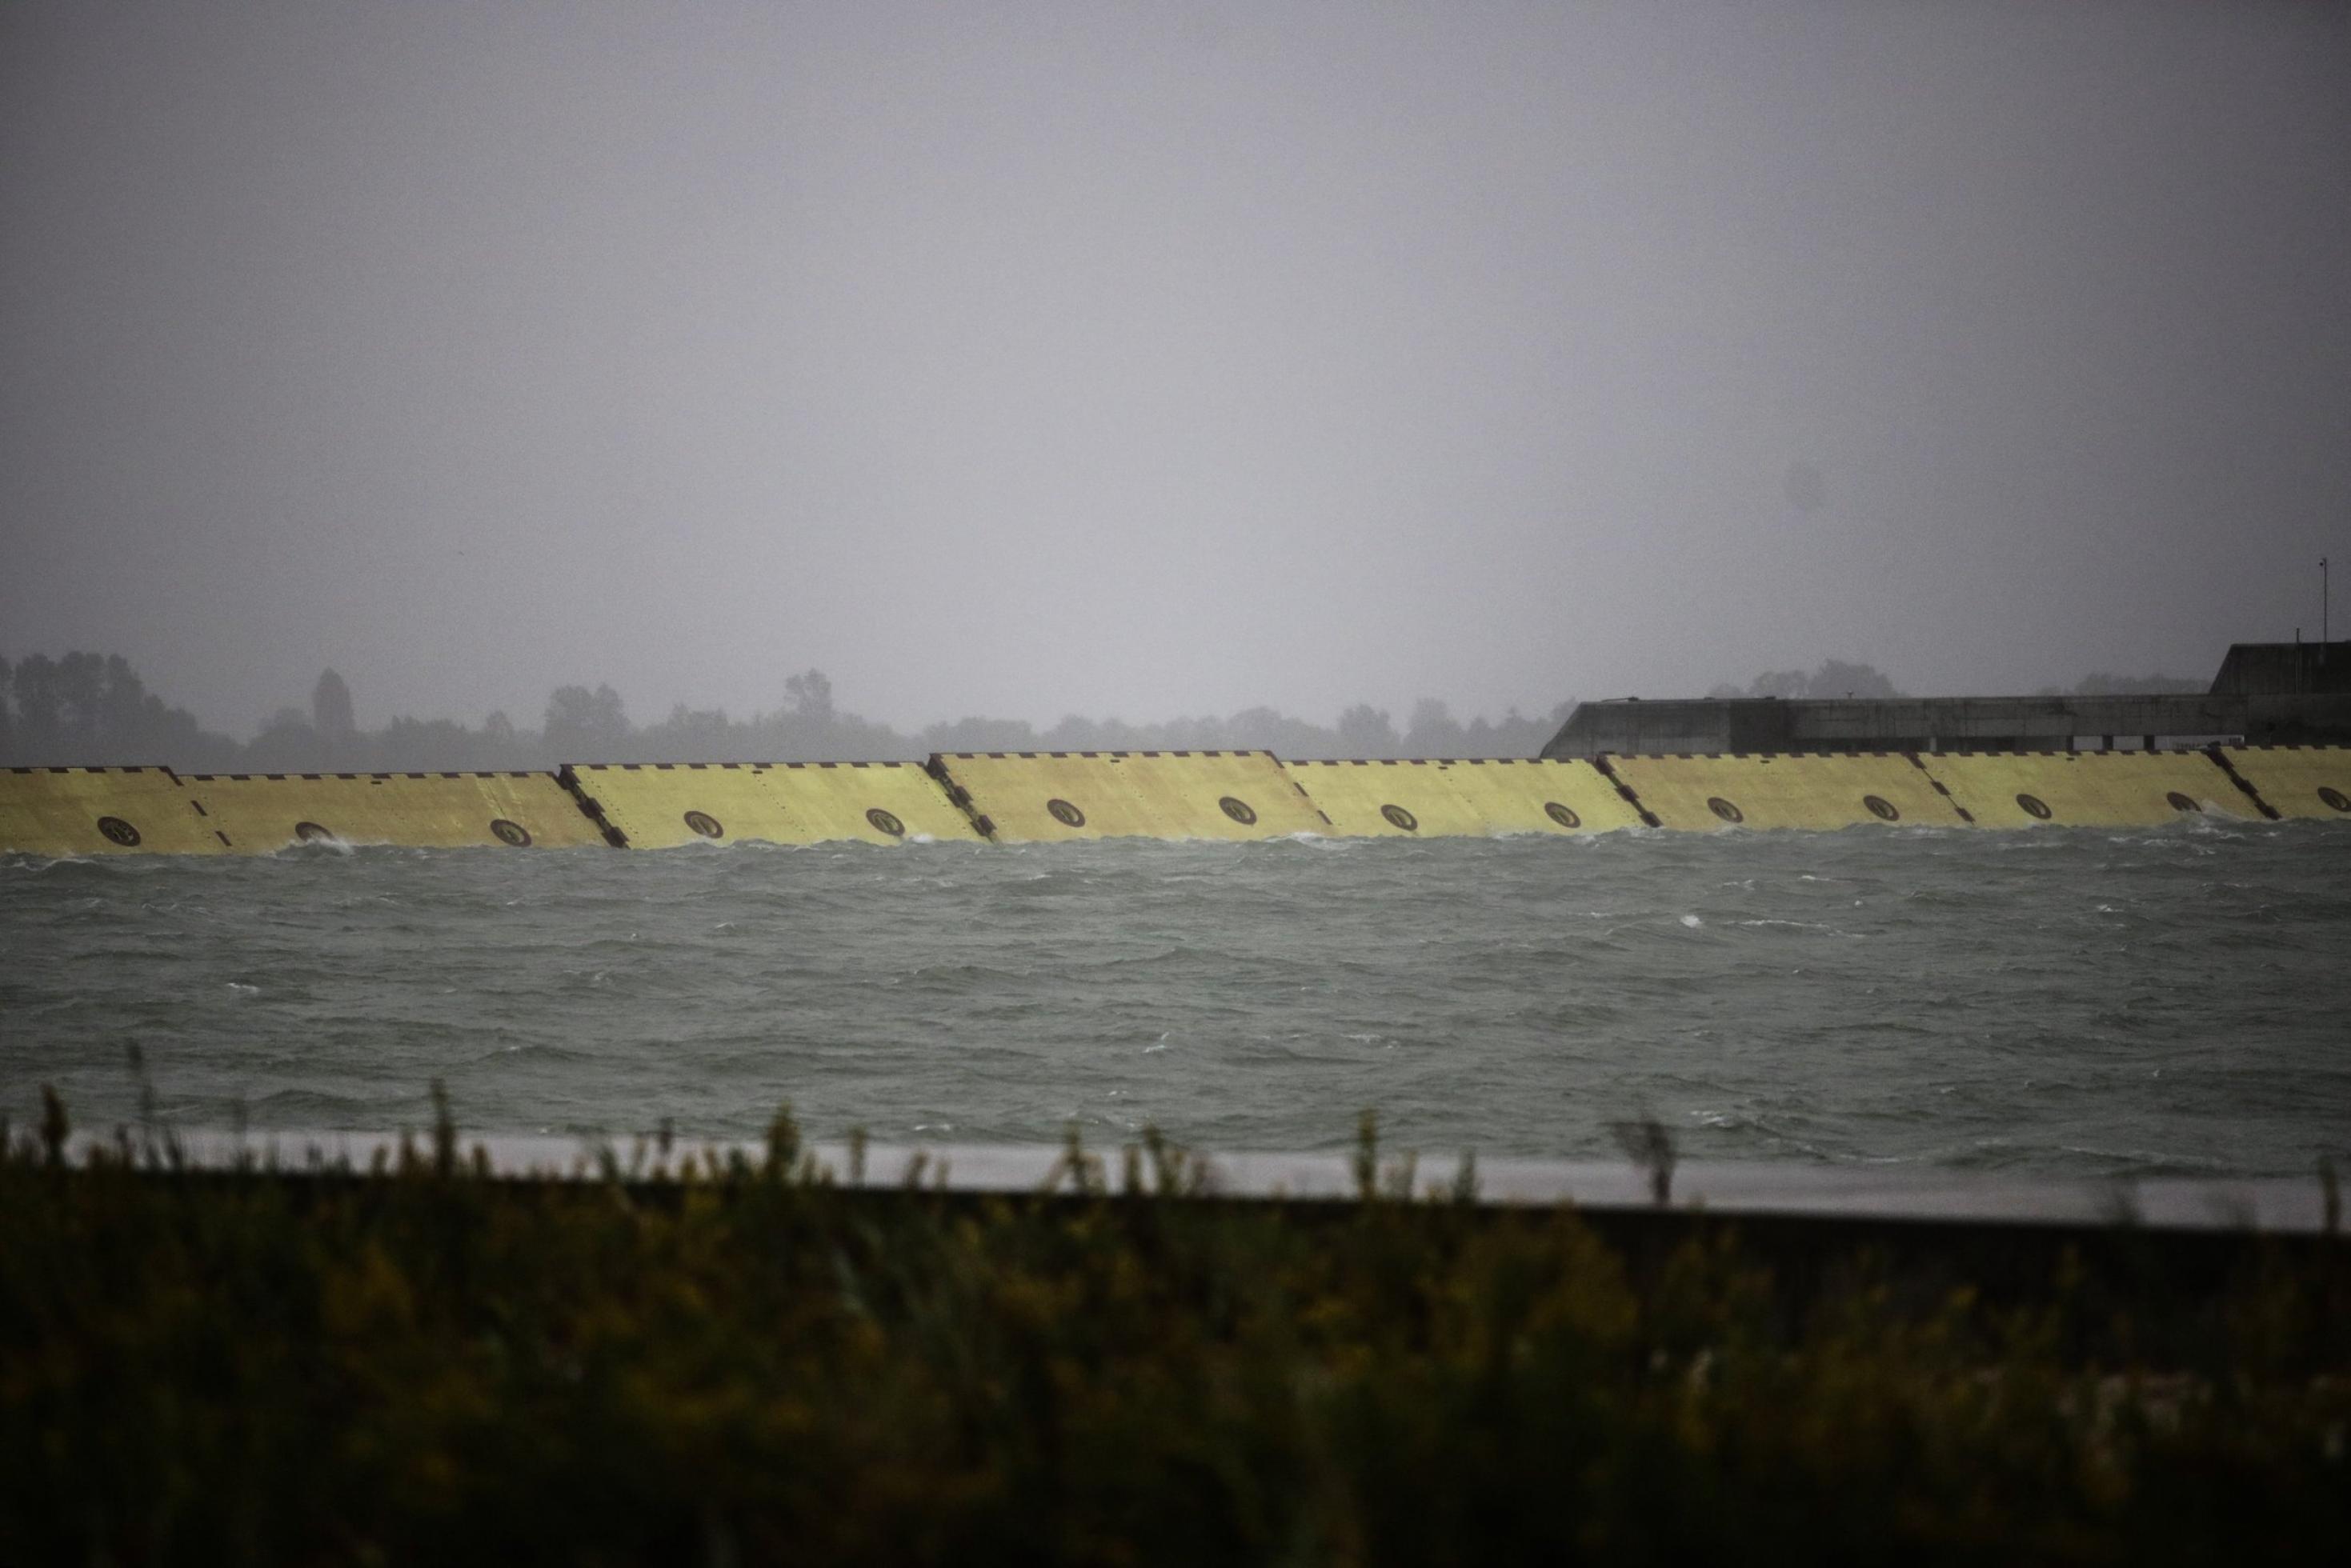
[(2284, 668), (2266, 694)]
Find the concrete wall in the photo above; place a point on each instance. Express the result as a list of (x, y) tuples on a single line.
[(2282, 669), (1699, 725)]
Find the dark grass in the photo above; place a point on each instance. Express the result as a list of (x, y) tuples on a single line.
[(749, 1364)]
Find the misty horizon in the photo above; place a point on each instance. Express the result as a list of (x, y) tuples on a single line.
[(1819, 679), (91, 708), (1139, 362)]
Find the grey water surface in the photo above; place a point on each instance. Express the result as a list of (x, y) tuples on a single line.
[(2060, 1001)]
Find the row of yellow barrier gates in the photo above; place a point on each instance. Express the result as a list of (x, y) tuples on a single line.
[(1028, 798)]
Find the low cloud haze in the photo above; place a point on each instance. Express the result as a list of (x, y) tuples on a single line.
[(1141, 361)]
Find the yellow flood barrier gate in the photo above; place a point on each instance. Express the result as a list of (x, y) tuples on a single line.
[(1031, 797), (661, 806), (102, 811), (256, 814), (2087, 789), (2296, 781), (1807, 789), (1049, 796), (1463, 797)]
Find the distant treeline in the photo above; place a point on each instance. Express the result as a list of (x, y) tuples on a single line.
[(88, 708), (1837, 678)]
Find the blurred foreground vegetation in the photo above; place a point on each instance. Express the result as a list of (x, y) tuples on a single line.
[(741, 1362)]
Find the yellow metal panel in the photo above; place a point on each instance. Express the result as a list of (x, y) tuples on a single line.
[(2086, 789), (2297, 781), (1471, 797), (261, 812), (881, 803), (659, 806), (1385, 799), (101, 810), (1047, 797), (663, 806), (1542, 795), (1796, 789)]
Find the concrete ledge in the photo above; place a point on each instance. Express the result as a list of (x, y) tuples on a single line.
[(2271, 1205)]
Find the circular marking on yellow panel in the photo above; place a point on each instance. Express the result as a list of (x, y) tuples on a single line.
[(2036, 807), (885, 823), (312, 833), (1561, 814), (2182, 802), (117, 831), (1881, 808), (705, 824), (1724, 809), (1065, 814), (1238, 809), (507, 832), (2334, 797), (1401, 818)]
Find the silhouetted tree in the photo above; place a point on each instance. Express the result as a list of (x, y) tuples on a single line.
[(1525, 735), (1076, 733), (38, 700), (584, 726), (122, 717), (330, 708), (1772, 683), (981, 735), (286, 745), (1835, 677), (1365, 731), (1266, 729), (87, 708), (81, 695), (437, 743), (690, 734), (1433, 731), (811, 695)]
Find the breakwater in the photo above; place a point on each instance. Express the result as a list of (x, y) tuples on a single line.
[(1045, 797)]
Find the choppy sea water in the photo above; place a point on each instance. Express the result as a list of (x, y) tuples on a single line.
[(2075, 1001)]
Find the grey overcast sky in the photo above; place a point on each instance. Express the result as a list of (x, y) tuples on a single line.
[(1138, 360)]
